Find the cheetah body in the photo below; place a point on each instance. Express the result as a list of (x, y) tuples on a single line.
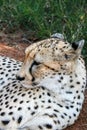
[(52, 93), (8, 69)]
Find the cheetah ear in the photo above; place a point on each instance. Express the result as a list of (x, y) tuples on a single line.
[(77, 46), (58, 35)]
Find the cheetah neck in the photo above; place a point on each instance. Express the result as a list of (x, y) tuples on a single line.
[(67, 87)]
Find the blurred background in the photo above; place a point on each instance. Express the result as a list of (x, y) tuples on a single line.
[(39, 19)]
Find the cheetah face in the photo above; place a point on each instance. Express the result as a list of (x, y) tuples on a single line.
[(48, 56)]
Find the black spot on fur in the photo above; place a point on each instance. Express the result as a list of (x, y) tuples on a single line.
[(5, 122), (2, 114), (48, 126), (10, 113), (32, 113), (40, 127), (19, 119)]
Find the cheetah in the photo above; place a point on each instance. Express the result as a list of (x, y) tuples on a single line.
[(49, 90)]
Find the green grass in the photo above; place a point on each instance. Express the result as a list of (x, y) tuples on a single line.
[(46, 17)]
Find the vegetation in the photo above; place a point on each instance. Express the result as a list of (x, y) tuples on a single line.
[(46, 17)]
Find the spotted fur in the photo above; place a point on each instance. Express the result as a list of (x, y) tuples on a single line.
[(8, 70), (49, 92)]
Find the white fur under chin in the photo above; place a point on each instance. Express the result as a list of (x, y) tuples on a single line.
[(26, 84), (48, 83)]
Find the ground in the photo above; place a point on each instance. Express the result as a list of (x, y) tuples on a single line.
[(14, 46)]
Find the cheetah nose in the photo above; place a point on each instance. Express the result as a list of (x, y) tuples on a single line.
[(20, 78)]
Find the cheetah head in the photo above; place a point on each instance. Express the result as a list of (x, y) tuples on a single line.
[(48, 56)]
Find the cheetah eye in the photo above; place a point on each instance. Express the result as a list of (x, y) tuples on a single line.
[(35, 63)]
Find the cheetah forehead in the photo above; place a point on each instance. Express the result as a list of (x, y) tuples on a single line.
[(48, 45)]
